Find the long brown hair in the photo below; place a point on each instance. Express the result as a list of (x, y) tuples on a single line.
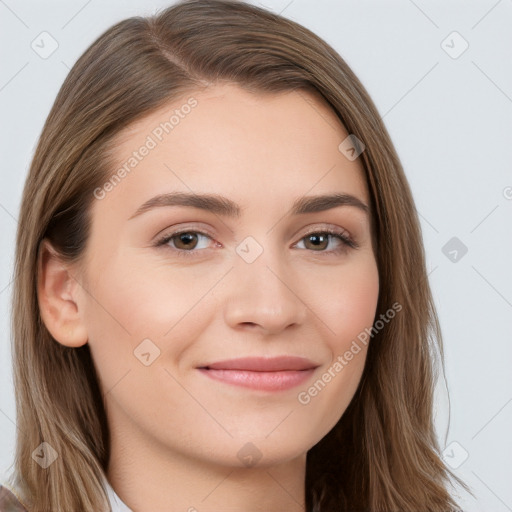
[(383, 454)]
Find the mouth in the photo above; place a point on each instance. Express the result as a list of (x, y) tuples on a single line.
[(266, 374)]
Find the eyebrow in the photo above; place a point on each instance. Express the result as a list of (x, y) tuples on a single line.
[(223, 206)]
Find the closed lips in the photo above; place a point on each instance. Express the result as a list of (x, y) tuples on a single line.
[(261, 364), (260, 373)]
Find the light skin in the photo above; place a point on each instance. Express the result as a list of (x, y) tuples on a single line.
[(177, 434)]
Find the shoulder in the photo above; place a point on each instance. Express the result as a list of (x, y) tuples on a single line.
[(9, 502)]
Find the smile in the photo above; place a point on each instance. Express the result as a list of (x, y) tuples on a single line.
[(266, 374)]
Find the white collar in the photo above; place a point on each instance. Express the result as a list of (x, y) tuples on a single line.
[(115, 501)]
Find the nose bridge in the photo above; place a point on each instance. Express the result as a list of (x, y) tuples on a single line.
[(261, 291)]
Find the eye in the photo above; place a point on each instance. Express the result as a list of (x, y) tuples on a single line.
[(184, 241), (319, 240)]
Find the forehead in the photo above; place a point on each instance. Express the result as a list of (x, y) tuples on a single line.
[(226, 139)]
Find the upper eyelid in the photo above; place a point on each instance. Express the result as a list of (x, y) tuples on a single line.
[(204, 231), (327, 228)]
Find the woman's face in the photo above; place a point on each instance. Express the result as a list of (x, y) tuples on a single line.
[(249, 277)]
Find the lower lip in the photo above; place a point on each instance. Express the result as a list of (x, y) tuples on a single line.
[(266, 381)]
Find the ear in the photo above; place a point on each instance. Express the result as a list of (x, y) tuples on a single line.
[(56, 294)]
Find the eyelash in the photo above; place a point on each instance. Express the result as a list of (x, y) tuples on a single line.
[(346, 242)]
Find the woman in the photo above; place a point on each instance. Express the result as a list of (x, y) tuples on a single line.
[(221, 298)]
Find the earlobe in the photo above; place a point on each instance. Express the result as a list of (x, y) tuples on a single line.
[(57, 298)]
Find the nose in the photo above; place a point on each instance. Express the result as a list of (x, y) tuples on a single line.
[(264, 295)]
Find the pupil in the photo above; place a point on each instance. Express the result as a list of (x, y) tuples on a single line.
[(186, 238), (317, 239)]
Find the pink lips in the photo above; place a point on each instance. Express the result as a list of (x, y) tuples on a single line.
[(267, 374)]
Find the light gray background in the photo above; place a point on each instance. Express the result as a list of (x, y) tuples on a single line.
[(451, 122)]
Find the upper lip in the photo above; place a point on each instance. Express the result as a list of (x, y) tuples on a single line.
[(263, 364)]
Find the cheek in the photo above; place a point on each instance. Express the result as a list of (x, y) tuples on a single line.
[(346, 307), (347, 301), (344, 302), (133, 302)]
